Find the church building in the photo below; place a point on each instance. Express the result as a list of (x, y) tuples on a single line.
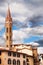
[(16, 54)]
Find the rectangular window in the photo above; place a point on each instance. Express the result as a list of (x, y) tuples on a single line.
[(10, 29), (23, 55), (42, 57), (9, 61), (7, 37), (0, 52), (0, 61), (14, 54), (7, 29), (18, 55), (10, 38), (27, 60), (27, 63), (9, 53)]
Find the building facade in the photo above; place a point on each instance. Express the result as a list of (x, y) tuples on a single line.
[(17, 54), (41, 59)]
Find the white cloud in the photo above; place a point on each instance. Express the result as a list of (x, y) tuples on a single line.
[(20, 8), (36, 31), (34, 44), (40, 50), (18, 36), (20, 18), (2, 21), (20, 11), (2, 43), (21, 34)]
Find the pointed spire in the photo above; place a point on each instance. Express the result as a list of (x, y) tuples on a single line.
[(8, 17), (8, 12)]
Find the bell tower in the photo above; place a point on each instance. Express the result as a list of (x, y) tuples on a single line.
[(8, 25)]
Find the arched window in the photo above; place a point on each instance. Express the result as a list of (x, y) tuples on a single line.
[(14, 62), (27, 60), (42, 56), (0, 61), (10, 29), (7, 29), (18, 62), (10, 38), (7, 37), (9, 61), (24, 63), (9, 53), (18, 55), (27, 63), (24, 55), (0, 52)]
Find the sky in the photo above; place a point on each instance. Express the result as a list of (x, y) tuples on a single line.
[(27, 18)]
